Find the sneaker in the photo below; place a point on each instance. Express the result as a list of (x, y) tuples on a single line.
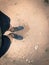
[(14, 29), (13, 35)]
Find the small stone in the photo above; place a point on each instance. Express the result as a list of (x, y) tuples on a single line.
[(29, 61), (26, 60), (36, 47)]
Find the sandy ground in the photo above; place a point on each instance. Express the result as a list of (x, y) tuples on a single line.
[(34, 16)]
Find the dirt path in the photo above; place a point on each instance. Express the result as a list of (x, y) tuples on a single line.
[(32, 14)]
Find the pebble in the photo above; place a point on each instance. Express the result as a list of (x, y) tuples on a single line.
[(36, 47), (26, 60), (29, 61)]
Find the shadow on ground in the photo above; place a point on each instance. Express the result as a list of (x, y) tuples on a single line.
[(5, 45), (4, 24)]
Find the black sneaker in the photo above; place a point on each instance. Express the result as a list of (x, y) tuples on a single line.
[(14, 29), (19, 37)]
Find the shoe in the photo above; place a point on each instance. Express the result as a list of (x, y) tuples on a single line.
[(13, 35), (14, 29)]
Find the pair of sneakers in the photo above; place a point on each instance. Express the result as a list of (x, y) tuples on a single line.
[(16, 36)]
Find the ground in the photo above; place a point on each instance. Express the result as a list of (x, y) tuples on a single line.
[(34, 48)]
